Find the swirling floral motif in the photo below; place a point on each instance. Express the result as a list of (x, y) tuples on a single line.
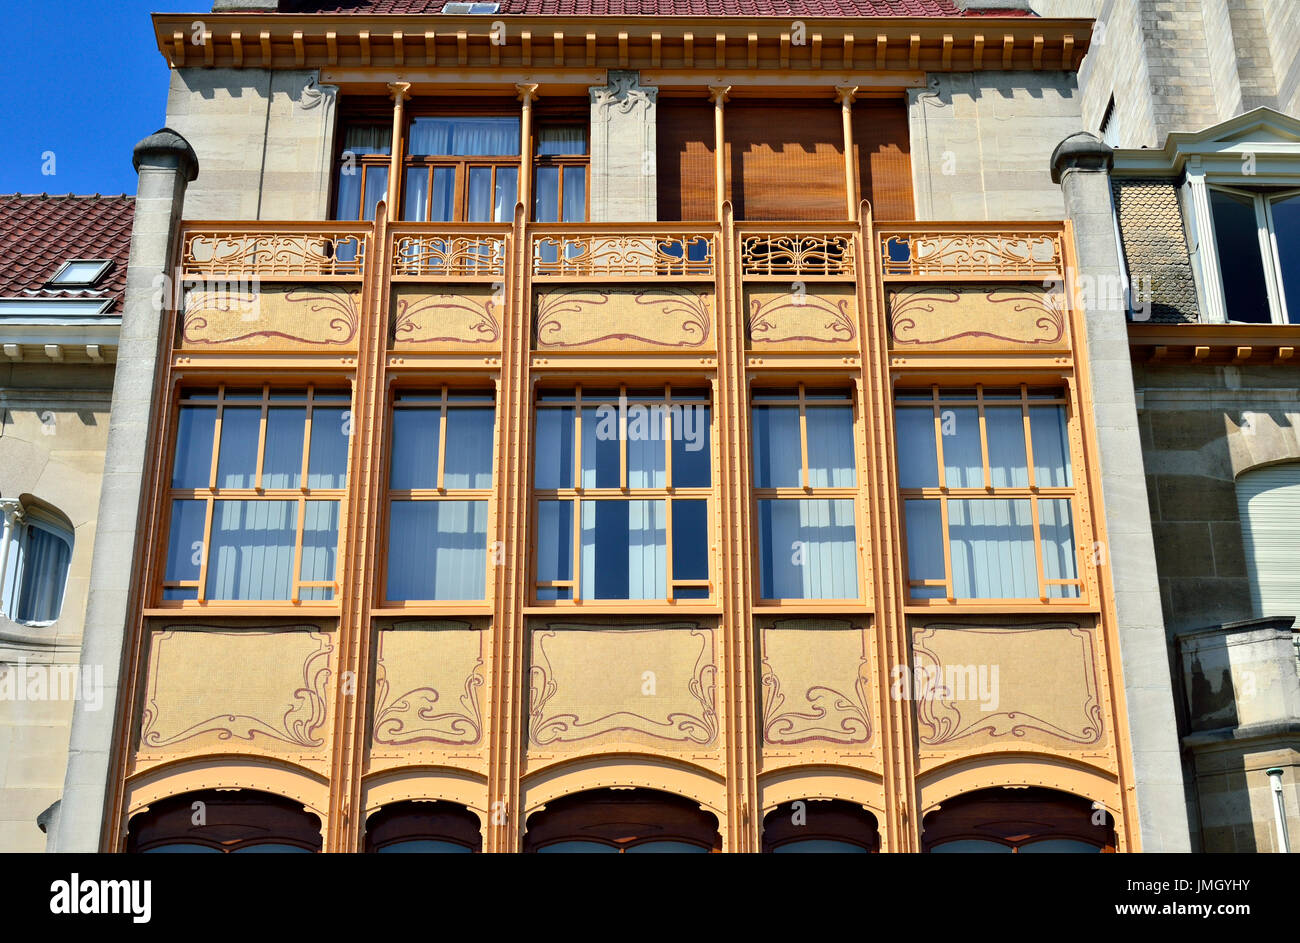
[(916, 315), (472, 319), (206, 310), (449, 256), (942, 722), (631, 254), (802, 254), (273, 254), (971, 253), (299, 725), (566, 314), (678, 726), (414, 717), (780, 320), (834, 715)]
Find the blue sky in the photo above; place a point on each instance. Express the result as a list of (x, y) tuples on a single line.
[(84, 80)]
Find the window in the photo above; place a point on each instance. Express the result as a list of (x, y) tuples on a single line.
[(820, 826), (1268, 500), (35, 552), (560, 174), (234, 822), (988, 494), (622, 482), (423, 828), (80, 273), (635, 821), (1257, 237), (256, 487), (1018, 821), (363, 169), (462, 168), (805, 483), (440, 482)]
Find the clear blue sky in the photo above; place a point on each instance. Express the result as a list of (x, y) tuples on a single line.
[(82, 79)]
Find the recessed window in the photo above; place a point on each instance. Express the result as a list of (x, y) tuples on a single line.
[(805, 481), (1257, 238), (988, 494), (35, 553), (623, 482), (257, 481), (462, 167), (363, 169), (440, 483), (80, 273)]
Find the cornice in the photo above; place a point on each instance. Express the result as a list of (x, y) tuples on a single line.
[(761, 45), (1214, 344)]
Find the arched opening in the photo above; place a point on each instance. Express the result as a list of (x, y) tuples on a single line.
[(224, 822), (35, 554), (622, 821), (416, 827), (1018, 821), (819, 826)]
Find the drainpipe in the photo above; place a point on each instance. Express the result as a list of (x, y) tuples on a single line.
[(1279, 811)]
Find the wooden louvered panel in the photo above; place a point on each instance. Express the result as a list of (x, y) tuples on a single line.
[(684, 142), (883, 155), (788, 158)]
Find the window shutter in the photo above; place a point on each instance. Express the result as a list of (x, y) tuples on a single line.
[(1269, 502), (789, 159), (684, 159), (884, 158)]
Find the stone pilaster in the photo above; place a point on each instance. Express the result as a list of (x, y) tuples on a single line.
[(1081, 165), (166, 164), (623, 150)]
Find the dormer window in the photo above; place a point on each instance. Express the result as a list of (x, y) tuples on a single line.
[(473, 9), (80, 273), (1257, 237)]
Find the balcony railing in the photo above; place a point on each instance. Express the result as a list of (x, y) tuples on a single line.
[(309, 252)]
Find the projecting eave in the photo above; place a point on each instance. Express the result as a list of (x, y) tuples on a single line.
[(551, 43), (1262, 145), (58, 328)]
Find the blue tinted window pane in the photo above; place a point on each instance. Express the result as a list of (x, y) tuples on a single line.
[(991, 543), (1236, 232), (924, 545), (1059, 846), (690, 540), (692, 446), (554, 541), (578, 847), (270, 848), (252, 550), (1047, 427), (1286, 231), (1008, 462), (553, 467), (1060, 559), (819, 846), (666, 848), (918, 465), (237, 464), (194, 432), (971, 846), (320, 547), (807, 549), (182, 848), (506, 194), (376, 190), (624, 552), (601, 445), (647, 446), (282, 458), (437, 550), (414, 463), (469, 448), (575, 194), (777, 453), (423, 846), (963, 462), (830, 446), (327, 465), (185, 542), (546, 201)]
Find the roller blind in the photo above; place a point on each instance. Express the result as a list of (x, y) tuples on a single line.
[(884, 159), (786, 160), (1269, 502), (684, 159)]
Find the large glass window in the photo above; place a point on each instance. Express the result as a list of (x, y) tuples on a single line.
[(363, 169), (560, 169), (462, 168), (805, 483), (988, 494), (35, 553), (622, 481), (258, 478), (1257, 240), (440, 482)]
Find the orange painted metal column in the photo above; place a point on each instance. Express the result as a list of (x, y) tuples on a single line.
[(718, 95), (845, 95)]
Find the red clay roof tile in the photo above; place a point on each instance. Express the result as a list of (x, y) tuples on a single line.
[(756, 8)]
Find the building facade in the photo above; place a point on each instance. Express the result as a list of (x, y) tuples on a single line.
[(1199, 102), (616, 432), (60, 309)]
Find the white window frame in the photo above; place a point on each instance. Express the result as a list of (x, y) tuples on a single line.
[(1269, 256), (79, 282), (17, 520)]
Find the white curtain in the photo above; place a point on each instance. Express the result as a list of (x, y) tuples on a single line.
[(282, 457), (45, 572), (624, 550), (437, 550), (992, 547), (464, 136), (809, 549), (320, 547), (1047, 426), (963, 462), (1060, 560), (1008, 463), (646, 447), (470, 434), (251, 557), (924, 546), (830, 446), (561, 139), (368, 139)]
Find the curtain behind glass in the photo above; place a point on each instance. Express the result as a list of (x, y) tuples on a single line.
[(464, 137), (808, 549), (45, 573), (437, 550), (830, 447), (992, 547), (252, 550), (624, 550), (557, 140), (361, 139)]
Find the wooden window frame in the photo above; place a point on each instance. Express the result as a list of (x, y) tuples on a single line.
[(761, 396), (365, 163), (442, 396), (559, 118), (576, 494), (1074, 493), (213, 493)]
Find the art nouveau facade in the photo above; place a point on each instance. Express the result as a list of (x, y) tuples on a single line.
[(615, 420)]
